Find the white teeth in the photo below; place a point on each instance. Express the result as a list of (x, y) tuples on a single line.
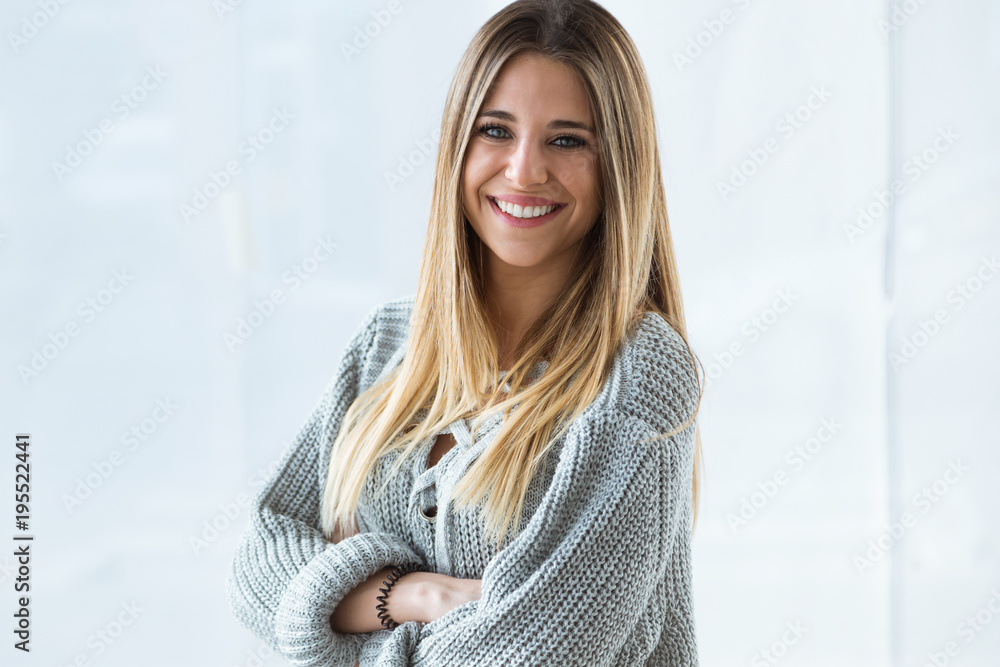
[(519, 211)]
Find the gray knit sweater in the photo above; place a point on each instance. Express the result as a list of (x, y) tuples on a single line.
[(599, 573)]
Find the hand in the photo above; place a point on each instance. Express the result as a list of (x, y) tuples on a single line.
[(444, 593)]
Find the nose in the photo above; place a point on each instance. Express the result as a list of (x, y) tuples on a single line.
[(526, 165)]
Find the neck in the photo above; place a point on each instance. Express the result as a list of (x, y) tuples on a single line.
[(516, 296)]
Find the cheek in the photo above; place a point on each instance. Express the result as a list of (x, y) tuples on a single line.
[(478, 166), (579, 175)]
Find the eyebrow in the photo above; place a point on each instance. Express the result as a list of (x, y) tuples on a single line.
[(553, 125)]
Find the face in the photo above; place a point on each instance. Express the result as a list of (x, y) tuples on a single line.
[(532, 150)]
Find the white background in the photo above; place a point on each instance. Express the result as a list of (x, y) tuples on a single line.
[(855, 299)]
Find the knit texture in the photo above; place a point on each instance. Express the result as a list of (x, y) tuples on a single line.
[(598, 574)]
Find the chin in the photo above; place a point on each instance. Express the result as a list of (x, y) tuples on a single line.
[(520, 254)]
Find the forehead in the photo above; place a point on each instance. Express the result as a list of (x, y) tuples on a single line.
[(534, 87)]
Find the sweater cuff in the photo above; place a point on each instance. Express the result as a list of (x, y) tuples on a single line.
[(398, 648), (302, 622), (391, 648)]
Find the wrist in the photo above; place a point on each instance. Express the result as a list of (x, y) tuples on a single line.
[(407, 599), (443, 593)]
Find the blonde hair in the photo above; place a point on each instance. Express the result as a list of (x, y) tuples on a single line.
[(626, 267)]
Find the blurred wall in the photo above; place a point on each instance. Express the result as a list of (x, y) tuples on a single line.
[(200, 201)]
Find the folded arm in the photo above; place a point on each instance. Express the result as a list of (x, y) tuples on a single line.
[(286, 578), (571, 588)]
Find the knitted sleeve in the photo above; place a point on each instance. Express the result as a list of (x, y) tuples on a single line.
[(573, 585), (286, 578)]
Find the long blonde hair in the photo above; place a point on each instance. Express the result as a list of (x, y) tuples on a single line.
[(626, 268)]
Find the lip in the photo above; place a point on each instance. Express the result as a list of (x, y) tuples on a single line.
[(525, 200), (529, 222)]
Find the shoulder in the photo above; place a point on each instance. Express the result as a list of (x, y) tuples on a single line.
[(382, 335), (394, 315), (387, 319), (652, 389), (655, 375)]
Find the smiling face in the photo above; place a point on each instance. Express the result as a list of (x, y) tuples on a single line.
[(532, 146)]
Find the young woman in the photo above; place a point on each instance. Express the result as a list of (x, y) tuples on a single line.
[(522, 430)]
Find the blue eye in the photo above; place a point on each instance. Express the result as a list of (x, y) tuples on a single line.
[(580, 141), (485, 130)]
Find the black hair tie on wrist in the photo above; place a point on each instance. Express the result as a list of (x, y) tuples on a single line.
[(397, 573)]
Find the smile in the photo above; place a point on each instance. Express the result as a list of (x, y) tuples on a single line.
[(528, 216)]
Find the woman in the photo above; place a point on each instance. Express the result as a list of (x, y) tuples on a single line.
[(522, 429)]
